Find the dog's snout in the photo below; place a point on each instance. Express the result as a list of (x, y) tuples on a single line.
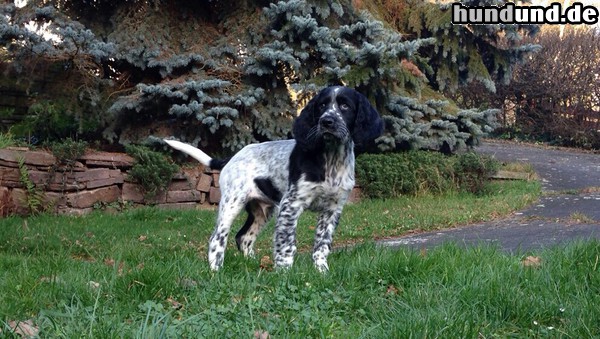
[(327, 121)]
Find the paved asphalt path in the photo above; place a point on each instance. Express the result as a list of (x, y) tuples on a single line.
[(569, 208)]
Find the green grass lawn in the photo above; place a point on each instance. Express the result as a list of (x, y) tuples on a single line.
[(143, 273)]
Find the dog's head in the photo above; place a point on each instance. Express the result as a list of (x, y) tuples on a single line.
[(336, 115)]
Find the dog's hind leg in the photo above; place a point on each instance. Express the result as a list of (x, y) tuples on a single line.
[(228, 209), (258, 215)]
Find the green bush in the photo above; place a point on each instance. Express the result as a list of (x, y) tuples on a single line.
[(68, 150), (472, 171), (152, 170), (46, 121), (419, 172), (51, 121)]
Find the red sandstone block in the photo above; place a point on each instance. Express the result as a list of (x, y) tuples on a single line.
[(35, 158), (214, 195), (183, 196), (55, 199), (9, 174), (6, 203), (8, 164), (132, 192), (19, 201), (180, 185), (92, 174), (204, 183), (107, 159), (87, 199), (39, 177), (64, 187), (101, 183)]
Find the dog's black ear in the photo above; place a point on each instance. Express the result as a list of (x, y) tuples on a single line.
[(368, 125), (304, 125)]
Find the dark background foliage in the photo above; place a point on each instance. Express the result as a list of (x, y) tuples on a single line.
[(554, 96)]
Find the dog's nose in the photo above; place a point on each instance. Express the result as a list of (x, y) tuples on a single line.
[(327, 121)]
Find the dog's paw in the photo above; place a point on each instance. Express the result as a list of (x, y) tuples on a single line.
[(322, 266), (215, 260), (283, 262), (320, 261), (248, 253)]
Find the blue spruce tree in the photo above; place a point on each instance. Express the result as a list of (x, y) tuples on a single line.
[(222, 74)]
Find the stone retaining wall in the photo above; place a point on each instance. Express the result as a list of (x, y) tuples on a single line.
[(97, 179)]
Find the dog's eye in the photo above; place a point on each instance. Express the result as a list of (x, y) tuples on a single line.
[(321, 106), (344, 107)]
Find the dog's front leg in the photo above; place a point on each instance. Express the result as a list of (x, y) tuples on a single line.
[(328, 221), (284, 241)]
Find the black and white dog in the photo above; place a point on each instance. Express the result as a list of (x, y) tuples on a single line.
[(315, 170)]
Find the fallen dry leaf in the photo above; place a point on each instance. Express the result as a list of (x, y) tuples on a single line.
[(266, 263), (120, 269), (26, 329), (391, 290), (111, 263), (143, 237), (259, 334), (94, 285), (176, 305), (532, 261)]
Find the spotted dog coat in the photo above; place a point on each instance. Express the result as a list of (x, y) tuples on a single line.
[(313, 171)]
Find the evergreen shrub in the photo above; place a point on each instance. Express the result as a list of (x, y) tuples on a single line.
[(68, 150), (472, 171), (418, 172), (152, 169)]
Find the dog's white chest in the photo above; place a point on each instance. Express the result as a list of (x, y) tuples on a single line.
[(333, 191)]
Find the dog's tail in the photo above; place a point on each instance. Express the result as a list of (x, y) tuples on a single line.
[(205, 159)]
